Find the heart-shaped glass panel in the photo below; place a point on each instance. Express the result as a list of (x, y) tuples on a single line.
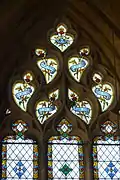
[(44, 110), (61, 39), (104, 94), (22, 93), (49, 68), (77, 66), (81, 109)]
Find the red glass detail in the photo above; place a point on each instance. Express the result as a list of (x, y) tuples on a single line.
[(52, 99), (61, 32), (41, 54), (84, 53), (97, 80), (27, 79), (74, 98)]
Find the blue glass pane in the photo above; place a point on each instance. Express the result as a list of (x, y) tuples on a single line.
[(19, 155), (106, 157)]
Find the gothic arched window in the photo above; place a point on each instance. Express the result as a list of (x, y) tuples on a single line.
[(65, 154), (57, 100), (19, 154), (106, 155)]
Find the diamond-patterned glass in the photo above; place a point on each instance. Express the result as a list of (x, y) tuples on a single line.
[(19, 127), (109, 127), (106, 157), (64, 127), (65, 155), (19, 157)]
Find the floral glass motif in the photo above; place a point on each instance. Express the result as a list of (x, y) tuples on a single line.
[(65, 155), (48, 66), (64, 127), (97, 78), (109, 127), (77, 66), (61, 39), (103, 92), (106, 157), (85, 51), (46, 109), (19, 155), (40, 53), (23, 91), (81, 109)]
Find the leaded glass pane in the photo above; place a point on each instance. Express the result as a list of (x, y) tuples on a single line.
[(22, 91), (48, 66), (65, 155), (61, 39), (19, 157), (106, 154), (109, 127), (45, 109), (97, 78), (104, 93), (81, 109), (77, 66), (85, 51)]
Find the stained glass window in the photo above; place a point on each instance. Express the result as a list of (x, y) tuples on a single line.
[(103, 91), (48, 66), (65, 154), (61, 39), (64, 83), (106, 156), (81, 109), (19, 155), (85, 51), (22, 91), (45, 109), (77, 66)]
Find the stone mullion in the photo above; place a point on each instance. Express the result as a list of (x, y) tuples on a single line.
[(63, 87), (88, 160), (43, 170)]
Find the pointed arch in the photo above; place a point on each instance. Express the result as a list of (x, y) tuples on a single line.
[(62, 80), (19, 154), (65, 154), (106, 158)]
